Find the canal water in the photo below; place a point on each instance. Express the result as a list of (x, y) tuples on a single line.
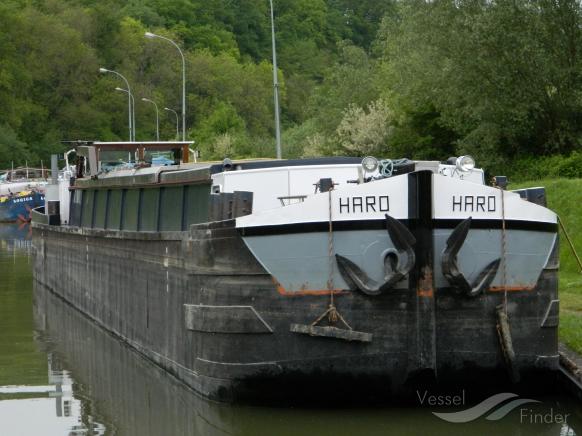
[(62, 375)]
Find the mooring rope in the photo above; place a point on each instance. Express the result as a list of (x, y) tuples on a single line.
[(503, 250), (331, 312), (570, 243), (503, 325), (330, 248)]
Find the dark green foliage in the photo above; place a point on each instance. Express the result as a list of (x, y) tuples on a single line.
[(12, 150), (421, 135), (504, 76), (51, 50), (543, 167), (500, 80), (351, 80)]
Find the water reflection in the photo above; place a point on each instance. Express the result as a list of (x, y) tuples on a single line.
[(63, 375), (54, 406), (133, 397), (117, 386), (36, 394), (15, 238)]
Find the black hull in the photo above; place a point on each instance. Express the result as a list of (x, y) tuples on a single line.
[(200, 306)]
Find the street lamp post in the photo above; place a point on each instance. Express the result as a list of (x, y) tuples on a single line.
[(275, 85), (157, 117), (153, 35), (132, 109), (177, 120), (131, 127)]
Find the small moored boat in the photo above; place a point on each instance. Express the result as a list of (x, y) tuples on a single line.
[(21, 190)]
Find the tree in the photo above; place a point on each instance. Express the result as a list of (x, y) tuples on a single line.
[(350, 81), (12, 150), (503, 76), (365, 132)]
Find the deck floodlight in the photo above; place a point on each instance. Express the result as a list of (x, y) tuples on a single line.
[(465, 163), (370, 164)]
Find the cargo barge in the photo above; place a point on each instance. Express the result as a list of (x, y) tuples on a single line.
[(264, 279)]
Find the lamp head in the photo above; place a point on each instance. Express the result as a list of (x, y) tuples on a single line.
[(150, 35), (465, 163), (103, 70), (370, 164)]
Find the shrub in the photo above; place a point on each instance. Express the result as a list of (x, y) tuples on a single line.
[(541, 167)]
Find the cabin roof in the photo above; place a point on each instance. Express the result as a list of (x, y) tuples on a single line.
[(197, 172), (185, 173), (277, 163), (158, 145)]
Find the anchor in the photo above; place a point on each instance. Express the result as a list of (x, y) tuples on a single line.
[(451, 269), (403, 241)]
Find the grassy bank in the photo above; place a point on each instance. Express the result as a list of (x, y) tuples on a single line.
[(565, 198)]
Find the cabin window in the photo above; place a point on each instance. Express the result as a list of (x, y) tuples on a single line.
[(87, 214), (196, 204), (114, 209), (100, 208), (148, 220), (171, 208), (130, 209)]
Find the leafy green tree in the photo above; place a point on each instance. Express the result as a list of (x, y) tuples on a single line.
[(366, 131), (358, 20), (216, 133), (503, 77), (350, 81), (12, 150)]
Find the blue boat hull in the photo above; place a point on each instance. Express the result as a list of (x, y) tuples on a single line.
[(18, 208)]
